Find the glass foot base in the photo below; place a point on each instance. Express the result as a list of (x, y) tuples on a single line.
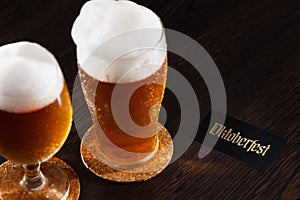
[(59, 177), (141, 172)]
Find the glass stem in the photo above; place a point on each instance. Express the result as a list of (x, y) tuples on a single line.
[(33, 178)]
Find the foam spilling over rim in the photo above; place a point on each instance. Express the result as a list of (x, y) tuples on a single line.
[(30, 77), (114, 38)]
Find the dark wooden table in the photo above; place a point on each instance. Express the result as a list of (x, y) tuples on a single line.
[(256, 46)]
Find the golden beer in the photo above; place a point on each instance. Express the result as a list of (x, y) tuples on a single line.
[(117, 146), (33, 136), (35, 120), (122, 59)]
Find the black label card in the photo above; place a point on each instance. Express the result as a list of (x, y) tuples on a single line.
[(242, 141)]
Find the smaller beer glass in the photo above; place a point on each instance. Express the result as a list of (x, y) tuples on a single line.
[(35, 120)]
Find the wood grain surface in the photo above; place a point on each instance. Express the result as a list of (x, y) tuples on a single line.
[(256, 46)]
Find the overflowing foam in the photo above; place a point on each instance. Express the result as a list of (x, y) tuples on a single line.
[(118, 41), (30, 77)]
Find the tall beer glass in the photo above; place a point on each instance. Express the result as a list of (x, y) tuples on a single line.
[(122, 69), (35, 120), (126, 146)]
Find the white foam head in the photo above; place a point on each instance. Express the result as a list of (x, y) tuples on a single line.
[(117, 37), (30, 77)]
